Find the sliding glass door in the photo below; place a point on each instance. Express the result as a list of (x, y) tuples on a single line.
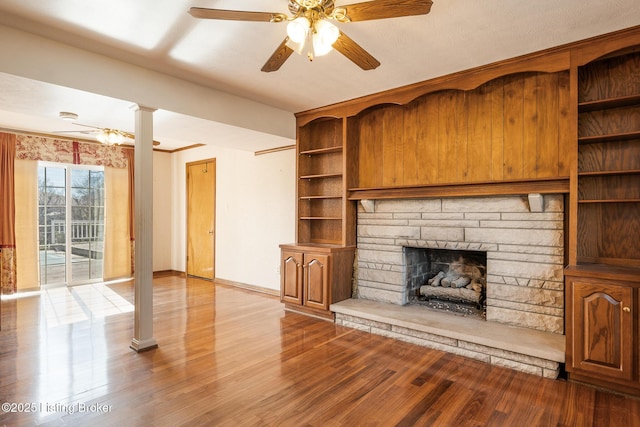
[(71, 223), (52, 220)]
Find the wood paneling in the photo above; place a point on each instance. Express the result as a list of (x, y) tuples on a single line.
[(392, 145), (410, 153), (497, 130), (507, 129), (427, 139), (479, 133), (514, 127), (370, 147)]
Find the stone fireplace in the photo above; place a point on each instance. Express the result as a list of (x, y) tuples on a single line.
[(525, 251), (523, 276)]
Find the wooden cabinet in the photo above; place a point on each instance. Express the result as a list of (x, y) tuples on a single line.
[(314, 276), (602, 335), (305, 279), (291, 274)]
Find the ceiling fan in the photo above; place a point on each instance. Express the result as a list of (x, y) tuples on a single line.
[(310, 28), (106, 136)]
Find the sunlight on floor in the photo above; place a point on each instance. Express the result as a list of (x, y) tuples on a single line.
[(63, 306)]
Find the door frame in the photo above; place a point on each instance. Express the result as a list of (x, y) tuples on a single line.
[(213, 249)]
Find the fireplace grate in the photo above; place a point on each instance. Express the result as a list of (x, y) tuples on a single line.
[(453, 281)]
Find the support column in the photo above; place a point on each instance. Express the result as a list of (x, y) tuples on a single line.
[(143, 186)]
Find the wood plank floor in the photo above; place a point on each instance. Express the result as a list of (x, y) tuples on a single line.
[(229, 357)]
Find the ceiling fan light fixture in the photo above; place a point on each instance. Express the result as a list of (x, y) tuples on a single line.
[(110, 137), (296, 47), (324, 36), (298, 29)]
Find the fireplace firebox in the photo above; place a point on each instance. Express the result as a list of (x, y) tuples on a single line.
[(448, 280)]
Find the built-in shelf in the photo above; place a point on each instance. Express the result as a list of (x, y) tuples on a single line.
[(323, 218), (322, 151), (608, 173), (609, 201), (602, 104), (609, 138), (319, 197), (322, 175)]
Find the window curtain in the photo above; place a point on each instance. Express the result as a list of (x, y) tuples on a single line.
[(117, 247), (8, 275), (26, 224), (130, 155)]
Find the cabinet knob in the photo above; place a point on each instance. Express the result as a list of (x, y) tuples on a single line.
[(626, 309)]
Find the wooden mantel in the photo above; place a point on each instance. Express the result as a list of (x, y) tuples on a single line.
[(543, 186)]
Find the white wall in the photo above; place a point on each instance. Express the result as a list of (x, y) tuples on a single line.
[(255, 212), (162, 210)]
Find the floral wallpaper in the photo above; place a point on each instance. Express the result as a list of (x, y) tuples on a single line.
[(8, 270), (29, 147)]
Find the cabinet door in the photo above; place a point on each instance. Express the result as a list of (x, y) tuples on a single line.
[(317, 281), (603, 329), (291, 276)]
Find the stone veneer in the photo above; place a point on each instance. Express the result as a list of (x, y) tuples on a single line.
[(525, 251)]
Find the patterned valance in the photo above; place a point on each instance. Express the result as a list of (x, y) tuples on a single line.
[(29, 147)]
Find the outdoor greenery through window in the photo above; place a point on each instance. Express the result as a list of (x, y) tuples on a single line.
[(71, 223)]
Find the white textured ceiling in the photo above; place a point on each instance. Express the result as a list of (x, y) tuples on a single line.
[(227, 56)]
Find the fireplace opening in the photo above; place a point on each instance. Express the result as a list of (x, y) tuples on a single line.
[(448, 280)]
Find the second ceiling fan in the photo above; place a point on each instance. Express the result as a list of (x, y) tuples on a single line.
[(106, 136), (310, 28)]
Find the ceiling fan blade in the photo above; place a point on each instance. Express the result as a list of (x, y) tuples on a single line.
[(233, 15), (86, 132), (87, 126), (354, 52), (282, 53), (382, 9)]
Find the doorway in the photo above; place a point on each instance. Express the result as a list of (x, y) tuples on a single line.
[(201, 207), (70, 223)]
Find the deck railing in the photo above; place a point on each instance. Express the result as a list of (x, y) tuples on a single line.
[(81, 231)]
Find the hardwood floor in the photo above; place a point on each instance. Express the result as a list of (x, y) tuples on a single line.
[(229, 357)]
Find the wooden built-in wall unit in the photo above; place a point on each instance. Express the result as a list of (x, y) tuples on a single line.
[(564, 120), (603, 278), (317, 271)]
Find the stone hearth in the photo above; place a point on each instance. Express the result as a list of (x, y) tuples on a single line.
[(523, 349)]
